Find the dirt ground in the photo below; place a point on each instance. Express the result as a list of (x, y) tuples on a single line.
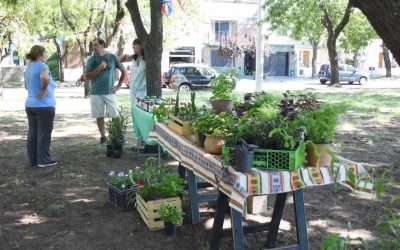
[(67, 207)]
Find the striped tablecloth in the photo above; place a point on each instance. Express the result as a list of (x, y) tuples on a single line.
[(237, 186)]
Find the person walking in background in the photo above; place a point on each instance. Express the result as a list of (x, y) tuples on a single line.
[(137, 80), (101, 68), (40, 107)]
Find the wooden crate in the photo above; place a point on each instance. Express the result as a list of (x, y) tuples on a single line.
[(149, 211), (179, 126)]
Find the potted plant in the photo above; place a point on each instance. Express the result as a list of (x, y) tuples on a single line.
[(222, 87), (160, 112), (159, 187), (320, 129), (116, 128), (171, 216), (182, 115), (122, 188), (217, 128)]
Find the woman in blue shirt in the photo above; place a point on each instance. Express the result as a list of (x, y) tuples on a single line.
[(40, 107)]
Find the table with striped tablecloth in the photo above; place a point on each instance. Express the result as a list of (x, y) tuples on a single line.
[(237, 186)]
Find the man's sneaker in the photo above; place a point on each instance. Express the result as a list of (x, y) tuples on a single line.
[(103, 141), (50, 164)]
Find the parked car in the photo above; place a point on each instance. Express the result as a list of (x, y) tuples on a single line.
[(189, 76), (347, 73), (127, 76)]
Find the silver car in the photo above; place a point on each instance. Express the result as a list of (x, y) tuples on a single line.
[(347, 73)]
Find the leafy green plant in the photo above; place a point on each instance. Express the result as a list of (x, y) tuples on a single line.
[(116, 128), (161, 112), (219, 125), (171, 186), (336, 242), (169, 213), (320, 123), (223, 85), (158, 184), (388, 224)]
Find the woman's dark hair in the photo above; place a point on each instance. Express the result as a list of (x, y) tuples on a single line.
[(101, 42), (36, 52), (135, 56)]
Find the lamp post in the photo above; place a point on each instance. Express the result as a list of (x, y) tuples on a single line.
[(259, 49)]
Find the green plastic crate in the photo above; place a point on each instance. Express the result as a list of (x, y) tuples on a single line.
[(271, 158)]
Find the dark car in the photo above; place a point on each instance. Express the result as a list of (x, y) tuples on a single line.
[(347, 73), (187, 77)]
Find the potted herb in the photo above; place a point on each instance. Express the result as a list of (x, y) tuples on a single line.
[(320, 129), (171, 216), (244, 156), (160, 112), (180, 118), (222, 88), (158, 187), (116, 128), (217, 128), (122, 188)]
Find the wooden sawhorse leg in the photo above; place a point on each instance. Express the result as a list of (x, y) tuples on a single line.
[(195, 198), (238, 230)]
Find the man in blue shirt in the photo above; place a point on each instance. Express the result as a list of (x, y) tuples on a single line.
[(101, 68)]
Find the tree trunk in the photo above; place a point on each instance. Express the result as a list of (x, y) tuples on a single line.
[(386, 59), (121, 44), (333, 34), (356, 63), (1, 80), (60, 59), (384, 17), (333, 60), (152, 42), (315, 46), (83, 61)]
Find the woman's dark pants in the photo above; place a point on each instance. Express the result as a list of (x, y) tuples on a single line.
[(39, 134)]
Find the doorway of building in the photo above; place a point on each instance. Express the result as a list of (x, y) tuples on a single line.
[(277, 64), (249, 64)]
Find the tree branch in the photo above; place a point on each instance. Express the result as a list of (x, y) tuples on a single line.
[(119, 17), (133, 8), (345, 20)]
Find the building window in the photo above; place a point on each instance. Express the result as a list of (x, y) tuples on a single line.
[(380, 64), (306, 59), (221, 28)]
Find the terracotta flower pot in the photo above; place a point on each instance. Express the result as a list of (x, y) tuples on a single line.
[(222, 105), (324, 159), (213, 145)]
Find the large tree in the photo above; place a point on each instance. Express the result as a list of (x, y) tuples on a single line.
[(152, 41), (384, 17), (289, 17)]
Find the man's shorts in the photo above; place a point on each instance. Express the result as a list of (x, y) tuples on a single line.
[(102, 103)]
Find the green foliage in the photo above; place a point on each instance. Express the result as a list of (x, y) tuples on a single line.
[(357, 33), (54, 66), (161, 112), (169, 213), (223, 85), (171, 186), (388, 224), (219, 125), (320, 123), (116, 128), (158, 184), (289, 16), (336, 242)]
